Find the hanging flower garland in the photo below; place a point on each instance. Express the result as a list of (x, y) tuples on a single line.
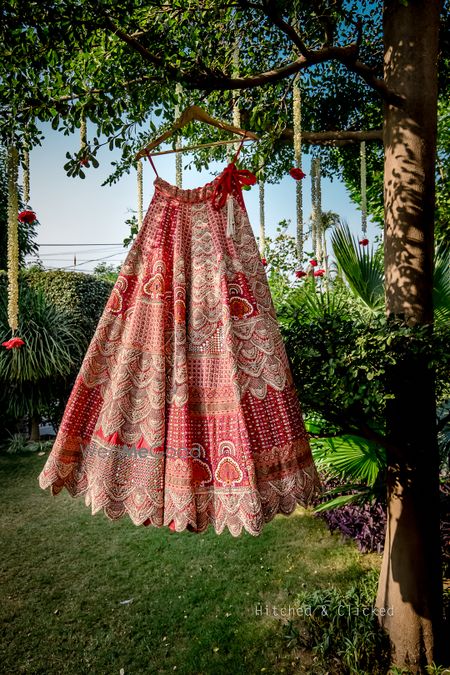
[(178, 167), (296, 171), (230, 232), (83, 137), (178, 144), (313, 205), (318, 212), (13, 241), (26, 177), (363, 188), (236, 114), (262, 219), (235, 65), (26, 216), (324, 248)]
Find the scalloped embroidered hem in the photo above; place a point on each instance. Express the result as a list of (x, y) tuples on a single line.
[(235, 509)]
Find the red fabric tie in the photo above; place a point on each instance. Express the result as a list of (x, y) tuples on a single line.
[(231, 182)]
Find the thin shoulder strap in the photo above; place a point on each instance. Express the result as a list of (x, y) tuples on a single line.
[(149, 157), (238, 150)]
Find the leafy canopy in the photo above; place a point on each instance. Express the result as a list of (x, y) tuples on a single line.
[(117, 63)]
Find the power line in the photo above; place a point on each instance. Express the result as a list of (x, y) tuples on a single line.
[(84, 262), (71, 253), (89, 261), (64, 244)]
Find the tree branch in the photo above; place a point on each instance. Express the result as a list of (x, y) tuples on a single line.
[(348, 56), (140, 49), (57, 103), (334, 137), (269, 9), (209, 81), (344, 55)]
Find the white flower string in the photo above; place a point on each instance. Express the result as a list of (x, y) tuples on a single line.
[(26, 177), (313, 205), (236, 111), (297, 124), (262, 217), (178, 144), (13, 239), (178, 166), (140, 209), (83, 131), (236, 123), (363, 187), (325, 256), (318, 213)]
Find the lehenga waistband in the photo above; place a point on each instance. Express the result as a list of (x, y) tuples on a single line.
[(192, 195)]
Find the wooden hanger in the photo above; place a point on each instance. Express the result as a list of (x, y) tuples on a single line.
[(194, 112)]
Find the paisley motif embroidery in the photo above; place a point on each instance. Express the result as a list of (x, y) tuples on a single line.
[(154, 287), (115, 303), (228, 472), (118, 298), (201, 473), (240, 308)]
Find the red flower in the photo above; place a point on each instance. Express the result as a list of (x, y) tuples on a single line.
[(27, 217), (313, 262), (297, 173), (84, 162), (300, 273), (13, 343), (363, 242), (319, 273), (264, 262)]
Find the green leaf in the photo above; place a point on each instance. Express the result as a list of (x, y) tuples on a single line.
[(336, 503), (362, 269), (350, 457)]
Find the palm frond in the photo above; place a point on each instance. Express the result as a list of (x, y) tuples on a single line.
[(441, 285), (349, 457), (342, 500), (360, 266), (315, 302), (53, 340)]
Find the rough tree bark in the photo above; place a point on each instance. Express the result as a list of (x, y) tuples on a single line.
[(34, 428), (411, 577)]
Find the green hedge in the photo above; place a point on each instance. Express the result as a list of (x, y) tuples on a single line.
[(82, 294)]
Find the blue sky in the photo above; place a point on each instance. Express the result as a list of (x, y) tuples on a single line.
[(76, 211)]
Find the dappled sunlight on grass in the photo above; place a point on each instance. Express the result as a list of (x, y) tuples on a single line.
[(83, 593)]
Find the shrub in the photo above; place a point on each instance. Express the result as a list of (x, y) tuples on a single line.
[(83, 295), (70, 305), (365, 523), (342, 630)]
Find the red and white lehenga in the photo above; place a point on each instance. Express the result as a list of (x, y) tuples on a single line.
[(184, 412)]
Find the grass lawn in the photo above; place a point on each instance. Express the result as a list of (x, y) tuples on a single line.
[(81, 594)]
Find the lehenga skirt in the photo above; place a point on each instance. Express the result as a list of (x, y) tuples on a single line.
[(184, 412)]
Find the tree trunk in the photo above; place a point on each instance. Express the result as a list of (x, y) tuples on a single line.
[(410, 587), (34, 431)]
